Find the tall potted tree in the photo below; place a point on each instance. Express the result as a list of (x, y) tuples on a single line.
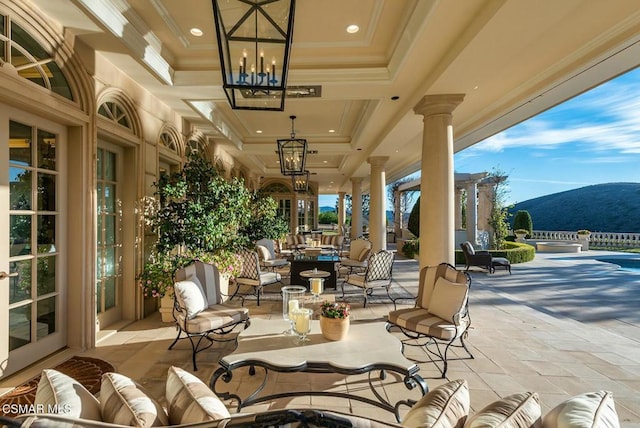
[(196, 213)]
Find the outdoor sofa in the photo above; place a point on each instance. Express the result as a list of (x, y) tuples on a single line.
[(190, 403)]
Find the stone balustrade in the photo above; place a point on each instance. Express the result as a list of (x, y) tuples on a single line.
[(599, 239)]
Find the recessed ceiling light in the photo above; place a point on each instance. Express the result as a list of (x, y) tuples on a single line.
[(331, 131), (258, 131), (196, 32), (325, 161), (353, 28)]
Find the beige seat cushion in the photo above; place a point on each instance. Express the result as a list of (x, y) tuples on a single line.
[(421, 321), (592, 409), (515, 411), (215, 316), (62, 394), (124, 402), (189, 400), (446, 406)]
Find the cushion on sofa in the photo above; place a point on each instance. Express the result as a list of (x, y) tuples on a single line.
[(190, 296), (443, 407), (515, 411), (447, 298), (124, 402), (190, 400), (59, 393), (592, 409)]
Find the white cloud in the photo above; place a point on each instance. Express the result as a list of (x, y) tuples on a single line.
[(606, 119)]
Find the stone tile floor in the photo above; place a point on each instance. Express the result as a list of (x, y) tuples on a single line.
[(559, 325)]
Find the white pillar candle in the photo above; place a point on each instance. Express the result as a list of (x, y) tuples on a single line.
[(302, 320), (316, 285), (293, 306)]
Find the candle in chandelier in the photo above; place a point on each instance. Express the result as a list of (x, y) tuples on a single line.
[(244, 60), (253, 72), (273, 68), (240, 67), (261, 62), (268, 76)]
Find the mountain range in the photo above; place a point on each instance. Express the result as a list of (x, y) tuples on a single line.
[(609, 207)]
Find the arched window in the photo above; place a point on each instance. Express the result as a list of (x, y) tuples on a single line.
[(113, 111), (30, 59), (168, 140), (276, 188)]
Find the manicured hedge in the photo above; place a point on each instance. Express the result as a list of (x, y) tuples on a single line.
[(515, 252)]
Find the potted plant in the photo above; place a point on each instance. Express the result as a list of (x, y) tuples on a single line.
[(583, 238), (334, 320)]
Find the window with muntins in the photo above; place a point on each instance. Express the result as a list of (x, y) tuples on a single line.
[(31, 60)]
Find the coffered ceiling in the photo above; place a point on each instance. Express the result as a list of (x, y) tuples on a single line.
[(511, 59)]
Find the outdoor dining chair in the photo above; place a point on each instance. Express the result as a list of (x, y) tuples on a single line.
[(440, 315), (251, 275), (201, 310), (267, 255), (378, 273), (356, 259)]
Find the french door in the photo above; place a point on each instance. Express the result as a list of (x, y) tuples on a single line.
[(32, 247), (109, 234)]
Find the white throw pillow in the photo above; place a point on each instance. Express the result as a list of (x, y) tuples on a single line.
[(62, 394), (189, 400), (446, 406), (514, 411), (447, 298), (191, 297), (591, 409), (124, 402)]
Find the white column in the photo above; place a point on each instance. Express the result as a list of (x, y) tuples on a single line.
[(458, 208), (377, 206), (342, 215), (437, 180), (472, 213), (356, 207), (397, 214), (484, 206)]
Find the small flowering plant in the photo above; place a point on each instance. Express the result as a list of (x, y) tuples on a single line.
[(339, 310), (156, 278)]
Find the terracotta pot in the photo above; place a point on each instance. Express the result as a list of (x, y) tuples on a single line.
[(334, 328), (166, 308)]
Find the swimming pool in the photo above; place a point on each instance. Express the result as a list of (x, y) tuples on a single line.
[(626, 263)]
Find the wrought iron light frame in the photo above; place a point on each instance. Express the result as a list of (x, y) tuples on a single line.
[(248, 31)]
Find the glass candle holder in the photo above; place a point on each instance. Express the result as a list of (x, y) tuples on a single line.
[(292, 296), (301, 318)]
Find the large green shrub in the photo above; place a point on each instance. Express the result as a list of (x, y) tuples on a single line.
[(522, 220), (414, 219)]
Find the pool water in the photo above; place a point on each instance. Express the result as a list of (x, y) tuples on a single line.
[(631, 264)]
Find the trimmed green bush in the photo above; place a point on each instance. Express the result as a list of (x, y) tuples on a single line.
[(522, 220), (515, 252), (414, 219)]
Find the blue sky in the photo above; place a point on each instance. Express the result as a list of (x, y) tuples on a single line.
[(591, 139)]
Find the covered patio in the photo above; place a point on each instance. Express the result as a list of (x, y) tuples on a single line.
[(562, 324)]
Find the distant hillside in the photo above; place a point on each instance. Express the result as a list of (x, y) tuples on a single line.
[(610, 207), (327, 208)]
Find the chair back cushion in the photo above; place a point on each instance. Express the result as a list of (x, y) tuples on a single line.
[(446, 406), (467, 248), (448, 298), (357, 247), (263, 253), (380, 266), (209, 277), (190, 296), (428, 277)]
